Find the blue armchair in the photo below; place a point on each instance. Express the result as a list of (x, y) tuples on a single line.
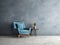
[(20, 26)]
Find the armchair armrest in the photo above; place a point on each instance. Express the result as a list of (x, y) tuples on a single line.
[(30, 28), (26, 29)]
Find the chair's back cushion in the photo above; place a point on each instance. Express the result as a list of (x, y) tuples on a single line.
[(21, 25)]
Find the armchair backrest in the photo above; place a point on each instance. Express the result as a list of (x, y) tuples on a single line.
[(19, 25)]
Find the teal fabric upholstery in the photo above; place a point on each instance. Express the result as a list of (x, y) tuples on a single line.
[(20, 27)]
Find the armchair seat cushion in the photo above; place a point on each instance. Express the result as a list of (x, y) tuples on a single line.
[(24, 32)]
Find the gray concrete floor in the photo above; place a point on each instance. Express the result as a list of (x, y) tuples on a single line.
[(31, 40)]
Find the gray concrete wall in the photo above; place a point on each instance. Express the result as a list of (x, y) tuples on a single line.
[(46, 13)]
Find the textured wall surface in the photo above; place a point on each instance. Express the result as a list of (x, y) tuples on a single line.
[(46, 13)]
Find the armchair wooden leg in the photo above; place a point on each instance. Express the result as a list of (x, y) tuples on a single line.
[(28, 35), (18, 35), (22, 35)]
